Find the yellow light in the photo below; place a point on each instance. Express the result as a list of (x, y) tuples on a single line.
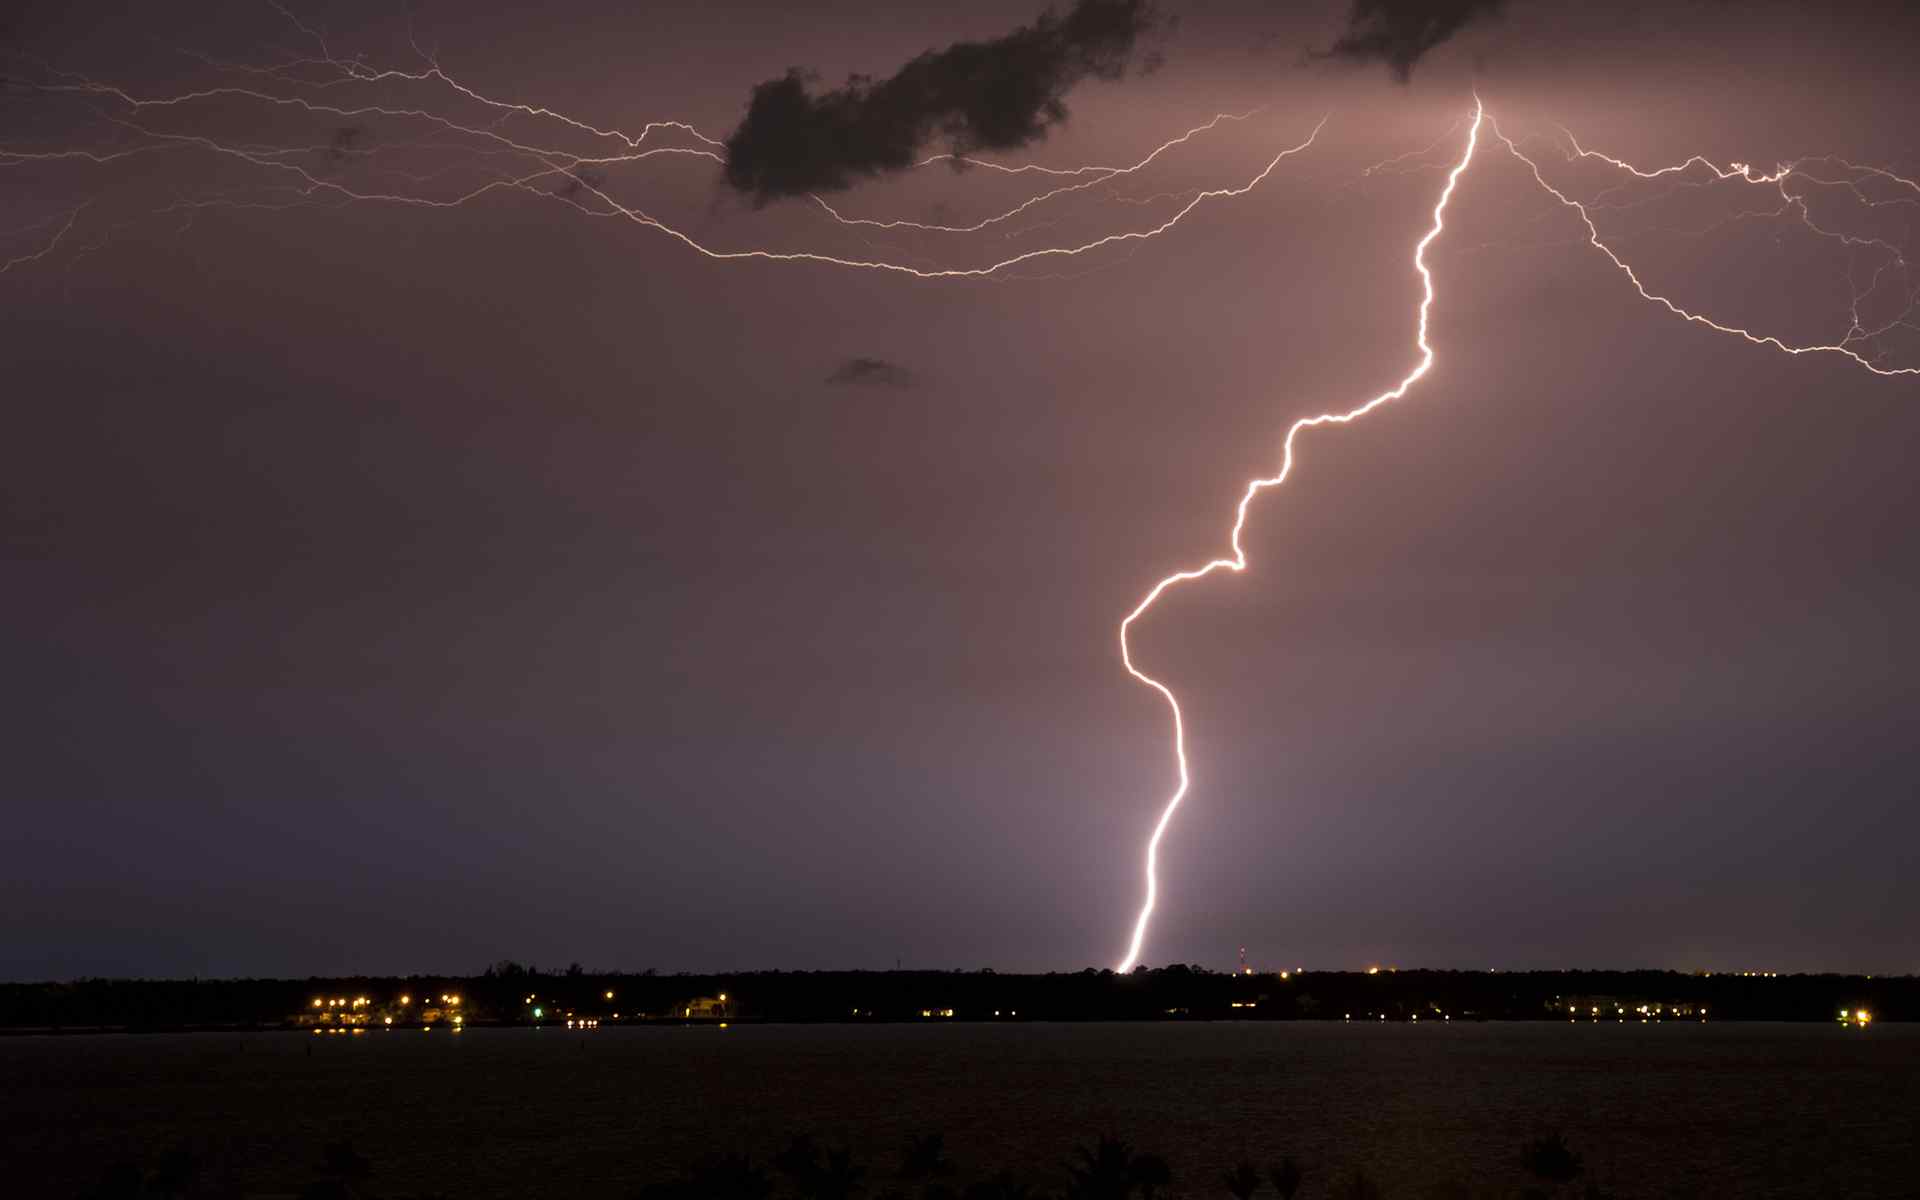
[(1862, 1016), (723, 997), (406, 999), (1373, 970), (457, 1018), (723, 1024), (389, 1020), (453, 1000), (610, 996), (316, 1004)]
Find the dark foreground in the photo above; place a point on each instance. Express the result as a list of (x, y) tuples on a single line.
[(1654, 1110)]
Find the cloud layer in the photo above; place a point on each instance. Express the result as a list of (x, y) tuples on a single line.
[(993, 95), (1401, 32), (871, 372)]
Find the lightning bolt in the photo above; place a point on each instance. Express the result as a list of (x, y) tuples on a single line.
[(1238, 560)]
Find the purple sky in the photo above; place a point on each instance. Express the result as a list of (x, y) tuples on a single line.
[(393, 588)]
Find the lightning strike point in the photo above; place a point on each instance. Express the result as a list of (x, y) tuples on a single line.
[(1238, 560)]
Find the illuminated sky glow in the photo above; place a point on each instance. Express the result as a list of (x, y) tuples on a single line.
[(311, 139)]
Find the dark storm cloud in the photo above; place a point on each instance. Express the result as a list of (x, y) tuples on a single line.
[(993, 95), (1400, 32), (871, 372)]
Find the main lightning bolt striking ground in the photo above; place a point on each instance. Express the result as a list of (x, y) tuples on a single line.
[(1238, 560)]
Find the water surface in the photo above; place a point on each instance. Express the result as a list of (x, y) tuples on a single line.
[(1657, 1110)]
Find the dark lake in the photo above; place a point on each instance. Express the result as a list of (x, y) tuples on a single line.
[(1656, 1110)]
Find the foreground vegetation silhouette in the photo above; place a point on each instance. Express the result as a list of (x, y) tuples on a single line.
[(1107, 1168)]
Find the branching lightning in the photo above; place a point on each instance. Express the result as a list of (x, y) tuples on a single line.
[(1099, 175), (1778, 178)]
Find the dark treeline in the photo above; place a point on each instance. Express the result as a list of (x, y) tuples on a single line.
[(509, 994)]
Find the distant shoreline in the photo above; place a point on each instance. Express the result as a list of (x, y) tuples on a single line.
[(513, 996)]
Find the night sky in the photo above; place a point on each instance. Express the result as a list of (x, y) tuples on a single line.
[(403, 588)]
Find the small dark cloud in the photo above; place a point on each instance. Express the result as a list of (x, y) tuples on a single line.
[(579, 179), (345, 140), (871, 372), (994, 95), (1400, 32)]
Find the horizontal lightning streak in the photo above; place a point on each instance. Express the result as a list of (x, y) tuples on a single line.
[(314, 184), (52, 243), (1104, 174), (1238, 561), (1740, 171)]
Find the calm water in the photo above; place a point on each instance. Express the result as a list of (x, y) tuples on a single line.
[(1657, 1110)]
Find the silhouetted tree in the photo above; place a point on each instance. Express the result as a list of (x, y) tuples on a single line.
[(800, 1162), (122, 1180), (1549, 1158), (729, 1177), (1243, 1181), (1001, 1187), (1286, 1176), (1149, 1173), (339, 1160), (839, 1178), (926, 1158), (1358, 1185), (1102, 1172)]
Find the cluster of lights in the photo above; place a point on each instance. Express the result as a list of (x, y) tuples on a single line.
[(361, 1010), (1858, 1018), (583, 1023), (1646, 1012), (936, 1012)]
